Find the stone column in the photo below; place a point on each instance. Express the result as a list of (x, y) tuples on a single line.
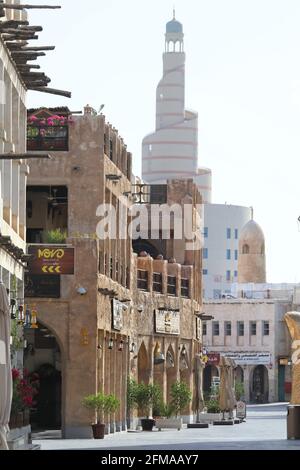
[(24, 172)]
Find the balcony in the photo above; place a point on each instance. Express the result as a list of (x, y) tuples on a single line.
[(53, 138)]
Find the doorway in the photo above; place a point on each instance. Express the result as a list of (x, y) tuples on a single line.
[(260, 385), (43, 357)]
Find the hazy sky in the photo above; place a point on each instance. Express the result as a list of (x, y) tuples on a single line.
[(243, 77)]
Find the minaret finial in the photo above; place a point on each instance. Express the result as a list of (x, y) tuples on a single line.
[(174, 12), (252, 213)]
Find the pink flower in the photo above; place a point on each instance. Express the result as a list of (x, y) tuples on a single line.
[(33, 119), (15, 374)]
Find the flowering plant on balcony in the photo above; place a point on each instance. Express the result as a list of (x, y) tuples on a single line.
[(53, 120)]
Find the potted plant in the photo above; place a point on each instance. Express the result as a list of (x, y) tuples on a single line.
[(212, 411), (181, 397), (145, 397), (56, 237), (25, 388), (101, 404), (239, 391)]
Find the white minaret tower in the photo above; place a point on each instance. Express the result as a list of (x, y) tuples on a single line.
[(171, 152)]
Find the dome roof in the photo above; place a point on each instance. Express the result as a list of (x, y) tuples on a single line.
[(174, 26), (252, 232)]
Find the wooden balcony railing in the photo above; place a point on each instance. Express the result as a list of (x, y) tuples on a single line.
[(48, 138)]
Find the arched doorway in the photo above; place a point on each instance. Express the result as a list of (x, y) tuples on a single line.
[(210, 372), (43, 357), (239, 375), (259, 392)]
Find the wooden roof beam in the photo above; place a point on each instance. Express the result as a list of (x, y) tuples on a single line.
[(12, 23), (52, 91), (8, 6), (24, 156)]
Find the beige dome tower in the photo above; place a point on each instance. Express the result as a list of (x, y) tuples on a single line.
[(252, 255)]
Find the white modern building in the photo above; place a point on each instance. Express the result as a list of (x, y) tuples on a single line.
[(223, 227), (171, 152)]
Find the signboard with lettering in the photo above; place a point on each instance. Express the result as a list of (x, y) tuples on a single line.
[(250, 358), (117, 315), (241, 410), (51, 260), (213, 359), (42, 287), (198, 329), (167, 322)]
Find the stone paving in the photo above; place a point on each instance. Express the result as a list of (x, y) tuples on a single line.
[(265, 429)]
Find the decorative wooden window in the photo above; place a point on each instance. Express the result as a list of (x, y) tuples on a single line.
[(142, 280), (172, 285), (185, 288), (157, 283)]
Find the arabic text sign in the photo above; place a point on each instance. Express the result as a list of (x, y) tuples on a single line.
[(250, 358), (51, 260), (167, 323), (117, 315)]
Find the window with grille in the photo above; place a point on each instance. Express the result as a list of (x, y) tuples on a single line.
[(111, 268), (253, 328), (185, 288), (157, 282), (228, 328), (171, 285), (216, 328), (158, 194), (241, 328), (266, 328), (142, 279)]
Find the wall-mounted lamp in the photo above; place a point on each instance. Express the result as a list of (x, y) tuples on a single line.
[(159, 358), (133, 348), (121, 346), (81, 291), (21, 318), (140, 308), (34, 324), (111, 344), (12, 307)]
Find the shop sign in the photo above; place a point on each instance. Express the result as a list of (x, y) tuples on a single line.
[(167, 322), (241, 410), (250, 358), (42, 287), (117, 315), (51, 260), (198, 329), (213, 359)]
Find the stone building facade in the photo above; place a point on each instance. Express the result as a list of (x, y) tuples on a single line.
[(98, 328), (13, 173), (254, 334)]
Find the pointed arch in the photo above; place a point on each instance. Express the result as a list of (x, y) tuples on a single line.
[(143, 364), (246, 249)]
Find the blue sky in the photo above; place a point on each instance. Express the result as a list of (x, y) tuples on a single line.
[(243, 77)]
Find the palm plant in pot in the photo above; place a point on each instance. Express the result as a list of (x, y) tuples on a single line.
[(146, 397), (100, 404)]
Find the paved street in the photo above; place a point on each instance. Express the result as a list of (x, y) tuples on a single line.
[(265, 429)]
